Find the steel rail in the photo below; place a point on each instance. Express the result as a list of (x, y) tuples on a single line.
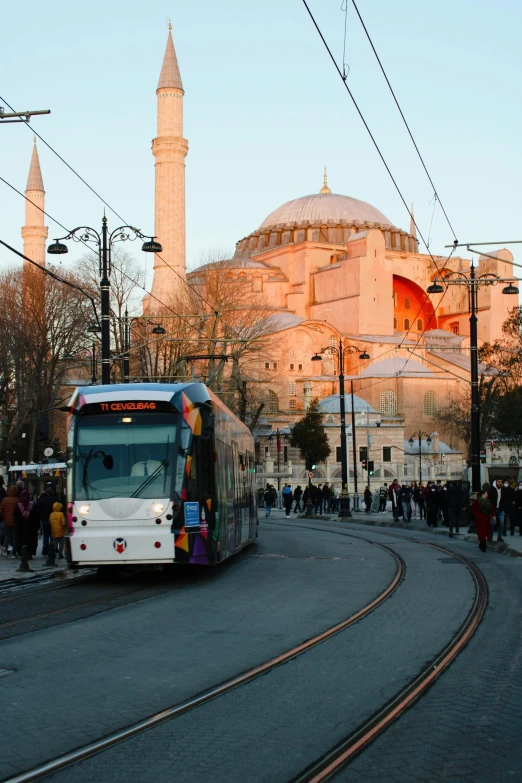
[(325, 768), (21, 593), (110, 740)]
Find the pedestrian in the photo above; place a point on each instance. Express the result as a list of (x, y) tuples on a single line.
[(368, 499), (517, 504), (287, 499), (393, 495), (453, 508), (405, 499), (335, 498), (27, 523), (383, 497), (58, 528), (438, 489), (316, 497), (443, 505), (497, 496), (432, 506), (326, 492), (44, 506), (483, 510), (268, 498), (509, 507), (7, 512), (415, 495), (297, 498), (307, 495), (3, 493), (422, 501)]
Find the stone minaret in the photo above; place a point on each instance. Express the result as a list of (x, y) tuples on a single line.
[(170, 150), (34, 233)]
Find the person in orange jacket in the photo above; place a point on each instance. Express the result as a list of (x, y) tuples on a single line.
[(58, 527)]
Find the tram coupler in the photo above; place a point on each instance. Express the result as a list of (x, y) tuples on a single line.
[(51, 556), (24, 559)]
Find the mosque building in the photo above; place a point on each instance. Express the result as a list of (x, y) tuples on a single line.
[(330, 267)]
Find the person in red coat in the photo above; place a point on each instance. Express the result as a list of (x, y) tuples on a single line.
[(482, 511)]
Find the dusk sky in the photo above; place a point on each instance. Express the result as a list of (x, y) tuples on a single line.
[(265, 111)]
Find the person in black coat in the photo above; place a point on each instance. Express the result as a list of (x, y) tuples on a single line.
[(453, 507), (27, 523), (432, 506), (517, 506), (297, 498)]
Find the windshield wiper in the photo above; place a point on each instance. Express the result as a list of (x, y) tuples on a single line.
[(155, 473)]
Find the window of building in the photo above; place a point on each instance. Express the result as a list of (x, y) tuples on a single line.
[(273, 404), (395, 298), (291, 366), (386, 453), (292, 403), (332, 342), (406, 324), (270, 365), (338, 454), (292, 388), (395, 323), (455, 327), (388, 403), (330, 419), (420, 324), (363, 453), (285, 453), (267, 451), (430, 403), (406, 304), (267, 365), (299, 367)]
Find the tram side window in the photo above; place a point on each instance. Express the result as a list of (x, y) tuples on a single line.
[(192, 478), (206, 465)]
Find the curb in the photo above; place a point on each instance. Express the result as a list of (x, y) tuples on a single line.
[(502, 548)]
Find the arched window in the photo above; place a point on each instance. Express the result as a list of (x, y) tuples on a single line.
[(388, 403), (292, 388), (330, 419), (406, 324), (430, 403), (420, 324), (273, 404), (395, 323), (332, 342), (406, 304)]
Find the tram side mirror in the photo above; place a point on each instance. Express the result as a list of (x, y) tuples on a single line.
[(108, 462)]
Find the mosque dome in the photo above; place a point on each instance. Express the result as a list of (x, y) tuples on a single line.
[(333, 404), (323, 207)]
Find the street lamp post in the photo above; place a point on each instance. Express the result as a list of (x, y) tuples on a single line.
[(279, 434), (104, 243), (344, 505), (411, 441), (472, 284)]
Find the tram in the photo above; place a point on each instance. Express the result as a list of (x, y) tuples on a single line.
[(157, 473)]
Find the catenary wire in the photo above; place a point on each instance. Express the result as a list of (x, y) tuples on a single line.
[(403, 118), (118, 269)]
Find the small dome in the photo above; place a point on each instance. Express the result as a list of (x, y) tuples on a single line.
[(333, 404), (322, 207)]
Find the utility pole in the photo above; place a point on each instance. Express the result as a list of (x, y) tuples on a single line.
[(20, 116)]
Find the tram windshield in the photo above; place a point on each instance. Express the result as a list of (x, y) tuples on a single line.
[(139, 456)]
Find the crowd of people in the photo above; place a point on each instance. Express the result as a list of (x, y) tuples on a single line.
[(324, 498), (494, 508), (24, 520), (435, 502)]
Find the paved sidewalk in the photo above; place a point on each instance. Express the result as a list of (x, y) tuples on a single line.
[(512, 545), (10, 575)]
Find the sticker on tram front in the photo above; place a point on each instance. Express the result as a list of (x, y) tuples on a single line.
[(191, 514), (120, 545)]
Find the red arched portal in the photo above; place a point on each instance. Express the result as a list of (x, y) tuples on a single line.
[(412, 308)]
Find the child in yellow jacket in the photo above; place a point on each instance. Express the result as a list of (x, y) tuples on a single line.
[(58, 527)]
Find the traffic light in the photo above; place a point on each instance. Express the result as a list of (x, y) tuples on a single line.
[(365, 464), (371, 468)]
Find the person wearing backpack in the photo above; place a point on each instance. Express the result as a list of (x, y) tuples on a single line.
[(287, 499)]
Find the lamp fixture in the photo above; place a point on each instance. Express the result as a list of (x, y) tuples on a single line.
[(57, 248)]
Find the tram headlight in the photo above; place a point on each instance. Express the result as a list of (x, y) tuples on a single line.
[(158, 508), (84, 510)]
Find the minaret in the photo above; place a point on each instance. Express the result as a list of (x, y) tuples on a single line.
[(170, 150), (34, 233)]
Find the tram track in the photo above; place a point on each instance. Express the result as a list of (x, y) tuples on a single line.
[(117, 737), (329, 764)]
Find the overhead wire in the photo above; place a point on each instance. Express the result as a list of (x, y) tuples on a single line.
[(403, 118), (118, 269)]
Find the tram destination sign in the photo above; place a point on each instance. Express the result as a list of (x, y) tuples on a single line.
[(127, 406)]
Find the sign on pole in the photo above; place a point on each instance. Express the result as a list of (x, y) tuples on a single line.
[(310, 474)]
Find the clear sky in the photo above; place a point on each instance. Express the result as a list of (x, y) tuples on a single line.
[(265, 111)]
